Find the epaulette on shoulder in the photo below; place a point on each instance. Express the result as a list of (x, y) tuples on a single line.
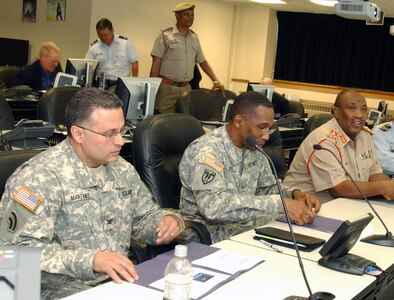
[(365, 128), (96, 41), (123, 37), (166, 29), (385, 126)]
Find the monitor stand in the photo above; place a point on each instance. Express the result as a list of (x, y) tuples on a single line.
[(348, 263)]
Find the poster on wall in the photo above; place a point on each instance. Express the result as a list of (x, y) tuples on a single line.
[(29, 11), (56, 10)]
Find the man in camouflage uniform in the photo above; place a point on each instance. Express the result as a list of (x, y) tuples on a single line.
[(82, 203), (229, 186), (350, 141)]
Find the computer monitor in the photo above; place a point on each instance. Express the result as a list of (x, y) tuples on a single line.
[(84, 69), (20, 274), (63, 79), (138, 95), (335, 251), (266, 90)]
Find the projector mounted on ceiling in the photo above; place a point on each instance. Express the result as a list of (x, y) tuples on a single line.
[(357, 9)]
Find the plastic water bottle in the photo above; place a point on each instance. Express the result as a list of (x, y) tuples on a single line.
[(178, 276)]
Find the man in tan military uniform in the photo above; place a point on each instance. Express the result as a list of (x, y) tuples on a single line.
[(345, 135), (229, 186), (175, 52), (82, 204)]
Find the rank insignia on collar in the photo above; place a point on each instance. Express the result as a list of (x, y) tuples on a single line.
[(333, 134)]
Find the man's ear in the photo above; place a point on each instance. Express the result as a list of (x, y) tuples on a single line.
[(335, 111), (237, 121), (76, 133)]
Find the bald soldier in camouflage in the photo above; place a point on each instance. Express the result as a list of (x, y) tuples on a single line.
[(82, 203), (229, 186)]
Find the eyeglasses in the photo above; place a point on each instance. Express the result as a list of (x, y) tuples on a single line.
[(263, 130), (109, 136)]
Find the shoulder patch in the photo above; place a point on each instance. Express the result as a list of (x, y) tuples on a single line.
[(365, 128), (94, 42), (123, 37), (27, 198), (213, 163)]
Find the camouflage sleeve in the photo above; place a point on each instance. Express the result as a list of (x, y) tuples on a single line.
[(146, 212), (33, 225), (218, 198)]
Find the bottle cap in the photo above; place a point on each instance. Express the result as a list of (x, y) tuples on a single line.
[(181, 250)]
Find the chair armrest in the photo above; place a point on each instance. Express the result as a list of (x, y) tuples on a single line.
[(201, 230)]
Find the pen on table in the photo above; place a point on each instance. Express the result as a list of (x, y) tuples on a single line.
[(271, 246)]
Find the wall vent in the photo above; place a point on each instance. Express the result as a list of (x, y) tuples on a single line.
[(316, 107)]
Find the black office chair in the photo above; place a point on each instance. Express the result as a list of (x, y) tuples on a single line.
[(10, 161), (8, 75), (158, 145), (274, 149), (7, 120), (201, 104), (52, 104), (315, 121), (297, 108)]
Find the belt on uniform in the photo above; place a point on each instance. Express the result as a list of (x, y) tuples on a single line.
[(172, 82)]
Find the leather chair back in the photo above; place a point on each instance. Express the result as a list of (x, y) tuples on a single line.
[(315, 121), (7, 120), (201, 104), (10, 161), (274, 149), (8, 75), (52, 104), (296, 107), (158, 145)]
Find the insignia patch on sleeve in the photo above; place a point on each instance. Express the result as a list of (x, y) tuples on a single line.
[(213, 163), (27, 198), (207, 176)]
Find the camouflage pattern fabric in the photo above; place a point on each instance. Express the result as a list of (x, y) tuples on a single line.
[(55, 202), (228, 189)]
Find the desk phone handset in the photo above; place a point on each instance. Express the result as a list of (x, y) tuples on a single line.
[(29, 133), (289, 120)]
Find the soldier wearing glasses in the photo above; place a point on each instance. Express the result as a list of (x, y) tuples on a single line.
[(228, 185), (82, 203)]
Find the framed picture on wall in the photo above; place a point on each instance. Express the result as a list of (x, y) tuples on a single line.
[(29, 11), (56, 10)]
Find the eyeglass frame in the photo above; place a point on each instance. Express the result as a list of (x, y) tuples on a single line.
[(108, 136), (264, 130)]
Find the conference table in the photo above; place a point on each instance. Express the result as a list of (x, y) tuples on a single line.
[(279, 276)]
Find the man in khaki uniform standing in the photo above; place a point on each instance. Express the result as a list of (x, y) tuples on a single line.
[(175, 53)]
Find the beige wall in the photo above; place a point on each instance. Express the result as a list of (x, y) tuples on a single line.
[(71, 35), (233, 38)]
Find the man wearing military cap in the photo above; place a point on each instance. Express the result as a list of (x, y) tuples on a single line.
[(175, 53)]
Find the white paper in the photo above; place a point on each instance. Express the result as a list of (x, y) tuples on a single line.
[(203, 281), (227, 261)]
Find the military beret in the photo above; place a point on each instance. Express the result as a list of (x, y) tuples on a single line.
[(183, 6)]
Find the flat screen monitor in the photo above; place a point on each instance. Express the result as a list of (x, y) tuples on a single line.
[(336, 251), (14, 52), (138, 95), (20, 274), (266, 90), (84, 69)]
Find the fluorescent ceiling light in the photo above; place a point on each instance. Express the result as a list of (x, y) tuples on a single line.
[(324, 2), (269, 1)]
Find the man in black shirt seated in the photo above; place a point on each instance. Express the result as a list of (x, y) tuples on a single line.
[(41, 74)]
